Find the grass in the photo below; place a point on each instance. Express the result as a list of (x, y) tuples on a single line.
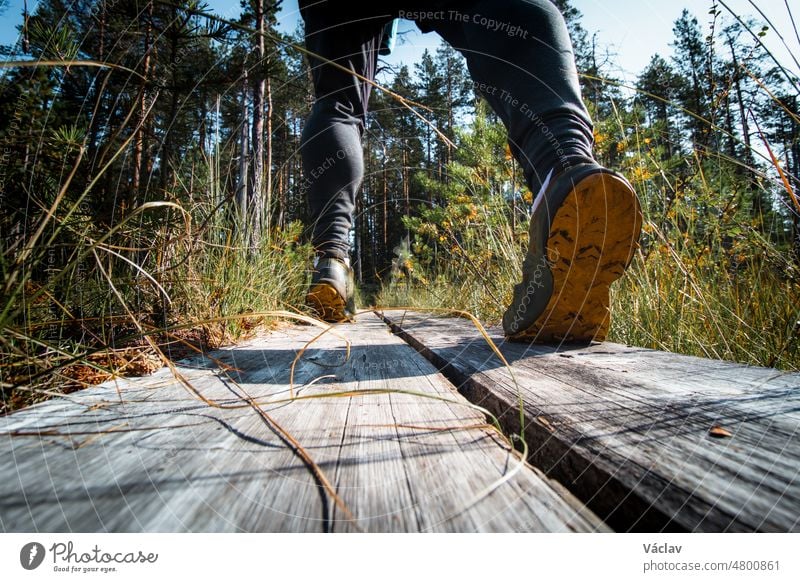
[(709, 279), (84, 303), (685, 293), (702, 302)]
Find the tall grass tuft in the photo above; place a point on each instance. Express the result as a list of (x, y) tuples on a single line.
[(711, 277), (83, 301)]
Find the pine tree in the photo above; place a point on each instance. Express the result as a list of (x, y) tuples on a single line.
[(659, 86), (691, 65)]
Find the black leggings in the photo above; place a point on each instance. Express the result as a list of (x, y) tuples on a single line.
[(519, 56)]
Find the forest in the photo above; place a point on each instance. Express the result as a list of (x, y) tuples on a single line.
[(152, 199)]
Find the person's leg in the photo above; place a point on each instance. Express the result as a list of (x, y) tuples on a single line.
[(520, 58), (586, 219), (331, 152)]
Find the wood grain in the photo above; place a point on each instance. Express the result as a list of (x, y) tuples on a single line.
[(145, 454), (629, 430)]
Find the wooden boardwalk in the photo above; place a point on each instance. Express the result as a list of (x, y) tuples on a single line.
[(638, 435), (379, 440)]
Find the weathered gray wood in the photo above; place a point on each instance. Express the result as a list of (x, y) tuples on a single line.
[(627, 429), (145, 455)]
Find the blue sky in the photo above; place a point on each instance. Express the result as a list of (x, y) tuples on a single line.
[(632, 31)]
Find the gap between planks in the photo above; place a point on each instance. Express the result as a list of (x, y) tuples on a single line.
[(627, 429)]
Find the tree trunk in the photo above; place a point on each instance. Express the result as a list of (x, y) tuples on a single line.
[(729, 124), (385, 202), (747, 158), (244, 152), (268, 169), (139, 140), (168, 144), (257, 183)]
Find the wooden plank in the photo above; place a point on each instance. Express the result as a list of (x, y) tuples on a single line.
[(145, 454), (628, 429)]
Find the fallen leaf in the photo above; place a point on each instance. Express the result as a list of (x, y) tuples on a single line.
[(546, 423), (717, 431)]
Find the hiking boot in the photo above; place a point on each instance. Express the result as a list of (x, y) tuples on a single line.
[(584, 229), (332, 291)]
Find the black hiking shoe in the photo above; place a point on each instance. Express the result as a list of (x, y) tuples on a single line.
[(332, 291), (584, 230)]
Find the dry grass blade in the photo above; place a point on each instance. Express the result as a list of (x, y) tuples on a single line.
[(222, 365), (791, 18), (786, 183), (318, 379), (489, 489), (307, 345), (431, 428), (298, 448), (138, 269), (771, 95), (114, 430), (305, 456), (67, 63), (186, 384), (520, 438), (496, 426), (407, 103), (776, 30), (757, 38), (485, 337), (9, 312)]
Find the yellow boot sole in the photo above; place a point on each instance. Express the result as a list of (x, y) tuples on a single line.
[(591, 241), (327, 303)]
